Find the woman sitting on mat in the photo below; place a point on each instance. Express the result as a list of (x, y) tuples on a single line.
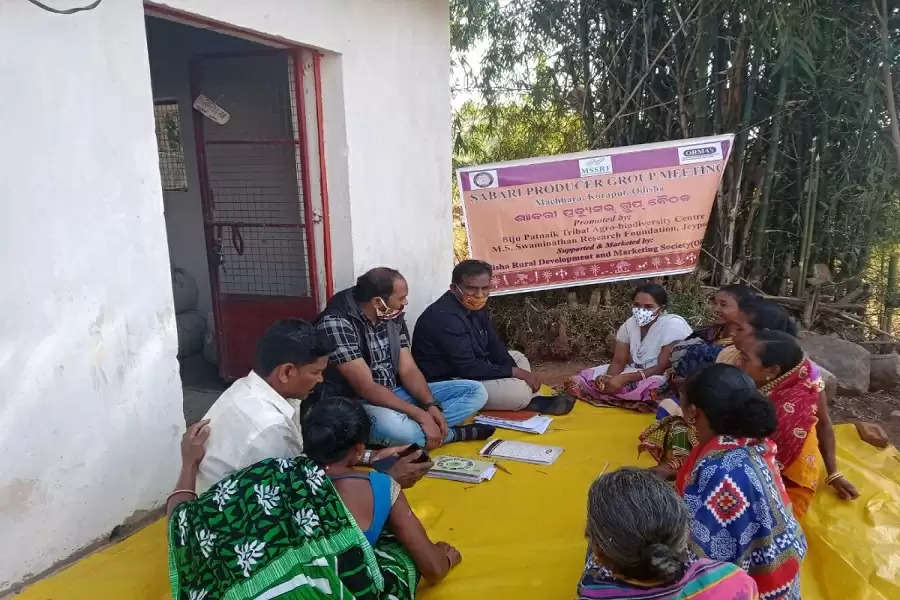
[(732, 486), (702, 347), (669, 440), (757, 315), (279, 529), (334, 436), (777, 364), (638, 530), (754, 314), (643, 345)]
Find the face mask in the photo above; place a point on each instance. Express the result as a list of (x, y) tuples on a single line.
[(643, 316), (385, 312), (471, 302)]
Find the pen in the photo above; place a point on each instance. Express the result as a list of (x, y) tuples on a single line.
[(502, 468)]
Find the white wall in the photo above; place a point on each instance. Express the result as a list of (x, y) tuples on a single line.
[(92, 408), (91, 414), (387, 116)]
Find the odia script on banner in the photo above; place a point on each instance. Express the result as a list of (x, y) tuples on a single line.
[(603, 215)]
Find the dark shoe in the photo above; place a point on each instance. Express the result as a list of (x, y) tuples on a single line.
[(552, 405), (473, 432)]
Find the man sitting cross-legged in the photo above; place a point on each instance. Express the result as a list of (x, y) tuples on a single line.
[(373, 362), (257, 417), (454, 337)]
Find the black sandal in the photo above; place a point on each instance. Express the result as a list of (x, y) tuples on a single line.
[(552, 405)]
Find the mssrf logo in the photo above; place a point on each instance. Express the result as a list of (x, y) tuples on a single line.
[(699, 153)]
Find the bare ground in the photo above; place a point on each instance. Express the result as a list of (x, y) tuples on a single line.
[(882, 407)]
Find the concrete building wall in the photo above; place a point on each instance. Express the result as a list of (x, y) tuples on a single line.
[(91, 411)]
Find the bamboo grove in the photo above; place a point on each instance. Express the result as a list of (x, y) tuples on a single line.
[(807, 86)]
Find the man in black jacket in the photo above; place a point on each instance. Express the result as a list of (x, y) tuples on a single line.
[(455, 338), (372, 361)]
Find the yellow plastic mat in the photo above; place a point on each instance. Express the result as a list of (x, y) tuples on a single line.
[(522, 534)]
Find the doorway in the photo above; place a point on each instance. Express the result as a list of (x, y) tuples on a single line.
[(236, 193)]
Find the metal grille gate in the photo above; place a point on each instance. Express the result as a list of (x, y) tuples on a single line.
[(255, 199)]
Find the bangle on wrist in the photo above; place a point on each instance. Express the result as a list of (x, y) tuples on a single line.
[(176, 492), (834, 477)]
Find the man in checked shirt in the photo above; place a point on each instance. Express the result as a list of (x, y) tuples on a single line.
[(372, 361)]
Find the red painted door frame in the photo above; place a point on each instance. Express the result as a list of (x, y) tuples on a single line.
[(231, 366)]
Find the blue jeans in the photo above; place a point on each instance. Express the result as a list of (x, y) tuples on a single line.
[(459, 398)]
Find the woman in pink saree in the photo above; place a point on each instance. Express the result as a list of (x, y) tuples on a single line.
[(643, 348)]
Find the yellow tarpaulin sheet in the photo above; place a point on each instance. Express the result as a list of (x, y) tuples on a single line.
[(522, 535)]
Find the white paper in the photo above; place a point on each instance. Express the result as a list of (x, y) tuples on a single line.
[(537, 424), (211, 110), (523, 451)]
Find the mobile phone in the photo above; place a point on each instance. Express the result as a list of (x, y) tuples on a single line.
[(386, 463), (413, 448)]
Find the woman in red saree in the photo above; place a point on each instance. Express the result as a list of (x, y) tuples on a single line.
[(777, 364)]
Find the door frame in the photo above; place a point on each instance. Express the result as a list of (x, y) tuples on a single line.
[(296, 52), (155, 9)]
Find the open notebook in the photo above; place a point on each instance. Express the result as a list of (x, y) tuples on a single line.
[(522, 451)]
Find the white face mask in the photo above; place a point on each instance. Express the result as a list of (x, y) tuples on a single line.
[(643, 316)]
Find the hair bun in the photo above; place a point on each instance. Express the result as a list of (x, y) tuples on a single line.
[(662, 561), (753, 415)]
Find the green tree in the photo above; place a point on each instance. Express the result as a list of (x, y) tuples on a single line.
[(498, 132), (806, 85)]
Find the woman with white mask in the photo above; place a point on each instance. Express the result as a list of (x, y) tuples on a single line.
[(643, 347)]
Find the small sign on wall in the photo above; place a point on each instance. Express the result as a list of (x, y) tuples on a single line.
[(211, 110)]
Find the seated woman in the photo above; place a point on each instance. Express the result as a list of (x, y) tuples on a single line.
[(754, 314), (757, 315), (643, 345), (334, 436), (638, 530), (777, 364), (702, 347), (275, 529), (739, 507), (670, 440)]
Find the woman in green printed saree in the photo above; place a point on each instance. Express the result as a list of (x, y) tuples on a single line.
[(277, 529)]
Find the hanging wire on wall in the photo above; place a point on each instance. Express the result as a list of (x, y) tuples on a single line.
[(66, 11)]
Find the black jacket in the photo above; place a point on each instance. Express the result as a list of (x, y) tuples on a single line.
[(451, 341)]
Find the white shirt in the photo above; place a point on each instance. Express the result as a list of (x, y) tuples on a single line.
[(249, 422), (665, 330)]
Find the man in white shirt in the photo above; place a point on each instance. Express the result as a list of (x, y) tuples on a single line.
[(258, 417)]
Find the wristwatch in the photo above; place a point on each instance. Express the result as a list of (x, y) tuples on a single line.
[(434, 405)]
